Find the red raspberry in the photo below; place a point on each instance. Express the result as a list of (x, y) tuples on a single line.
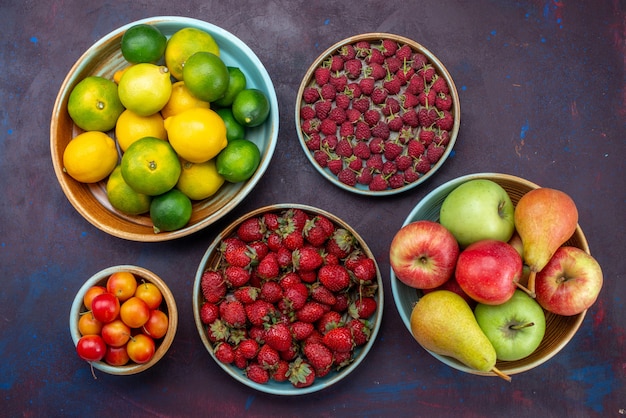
[(440, 85), (310, 95), (379, 95), (389, 47), (344, 148), (329, 142), (443, 101), (362, 104), (339, 81), (362, 131), (371, 117), (376, 56), (376, 71), (353, 68), (322, 108), (346, 129), (328, 92), (337, 115), (396, 181), (411, 118), (322, 75), (415, 148), (328, 127), (347, 176), (377, 145), (378, 183), (434, 152), (381, 130), (392, 106), (404, 52), (342, 101), (362, 150), (367, 85)]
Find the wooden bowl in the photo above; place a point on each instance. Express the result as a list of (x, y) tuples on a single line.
[(168, 306), (375, 39), (559, 329), (211, 259), (104, 58)]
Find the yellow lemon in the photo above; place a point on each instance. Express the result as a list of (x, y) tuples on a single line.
[(90, 157), (183, 44), (197, 134), (94, 104), (131, 127), (145, 88), (170, 211), (123, 197), (181, 99), (150, 166), (199, 181)]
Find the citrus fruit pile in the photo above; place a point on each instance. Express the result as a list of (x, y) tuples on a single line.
[(177, 115)]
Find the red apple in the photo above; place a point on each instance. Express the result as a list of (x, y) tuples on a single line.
[(488, 270), (423, 254), (569, 283)]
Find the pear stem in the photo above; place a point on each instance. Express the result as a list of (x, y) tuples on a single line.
[(525, 289), (531, 282), (500, 374)]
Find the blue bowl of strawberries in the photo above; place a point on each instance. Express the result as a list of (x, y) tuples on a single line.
[(288, 299), (377, 114)]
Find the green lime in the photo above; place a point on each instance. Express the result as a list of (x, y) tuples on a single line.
[(170, 211), (251, 107), (206, 76), (123, 197), (143, 43), (239, 160), (94, 104), (236, 83), (150, 166), (183, 44), (234, 130)]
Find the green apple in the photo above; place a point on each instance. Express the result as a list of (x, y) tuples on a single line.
[(478, 209), (515, 328)]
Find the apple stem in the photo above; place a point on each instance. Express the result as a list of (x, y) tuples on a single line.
[(500, 374), (522, 326)]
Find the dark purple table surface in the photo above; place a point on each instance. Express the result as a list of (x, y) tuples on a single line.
[(542, 95)]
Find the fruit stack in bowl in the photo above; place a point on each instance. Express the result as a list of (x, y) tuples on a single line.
[(288, 299), (492, 274)]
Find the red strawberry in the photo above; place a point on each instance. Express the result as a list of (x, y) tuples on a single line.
[(347, 176), (389, 47), (320, 356), (307, 112), (235, 252), (310, 95), (257, 373), (307, 258), (218, 331), (342, 101), (322, 294), (297, 216), (378, 183), (268, 267), (344, 147), (267, 356), (360, 331), (284, 257), (316, 232), (278, 336), (434, 152), (339, 339), (301, 374), (236, 276), (362, 131), (379, 95), (209, 312), (363, 307), (331, 319), (328, 92), (259, 311), (281, 371), (310, 312), (233, 313), (246, 294), (293, 240), (341, 243), (381, 130), (328, 127), (224, 352), (248, 348), (353, 68), (213, 286), (367, 85), (335, 277), (337, 115), (342, 303), (270, 291), (443, 101), (301, 330), (294, 296), (322, 75)]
